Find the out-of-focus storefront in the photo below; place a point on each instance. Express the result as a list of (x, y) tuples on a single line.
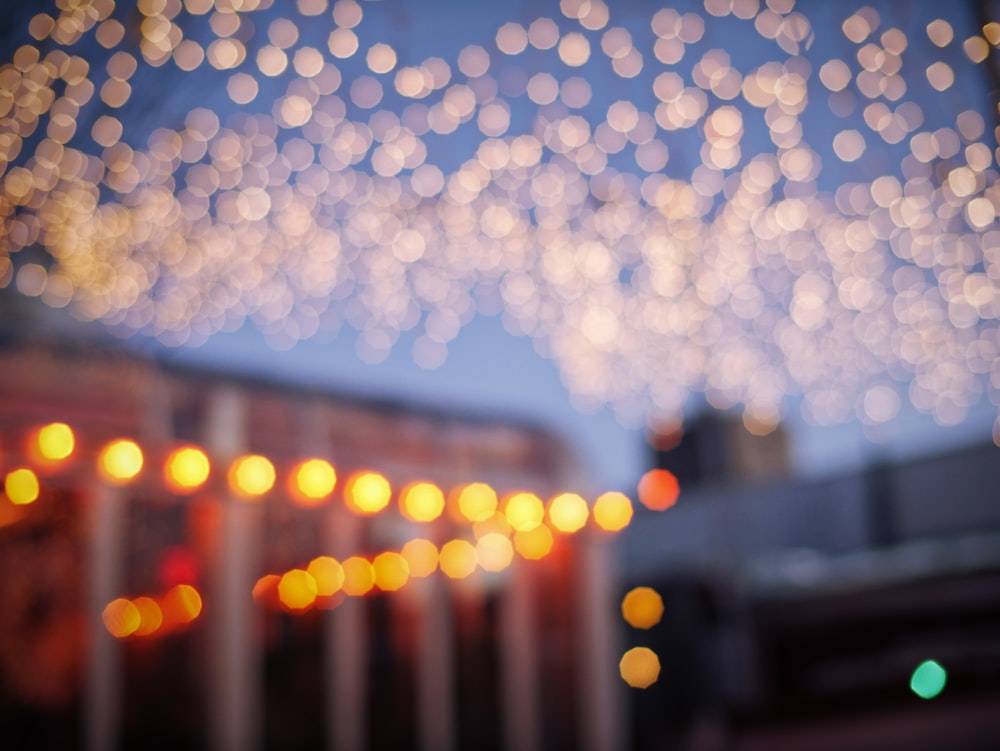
[(196, 561)]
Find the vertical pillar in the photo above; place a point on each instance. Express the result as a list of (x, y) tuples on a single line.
[(102, 699), (436, 668), (519, 663), (346, 648), (598, 650), (234, 677)]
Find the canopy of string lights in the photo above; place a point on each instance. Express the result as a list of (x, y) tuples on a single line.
[(764, 203)]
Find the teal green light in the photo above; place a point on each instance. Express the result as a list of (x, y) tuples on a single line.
[(928, 679)]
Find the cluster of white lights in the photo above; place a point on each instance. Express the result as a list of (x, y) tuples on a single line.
[(809, 211)]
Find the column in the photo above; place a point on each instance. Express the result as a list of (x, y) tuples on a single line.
[(102, 709), (233, 664), (519, 663)]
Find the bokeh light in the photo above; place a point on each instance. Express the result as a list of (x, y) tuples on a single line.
[(568, 512), (534, 544), (457, 559), (297, 590), (639, 667), (180, 605), (328, 575), (186, 469), (477, 501), (524, 511), (251, 476), (359, 576), (121, 618), (120, 461), (612, 511), (928, 679), (421, 556), (367, 492), (720, 212), (150, 616), (658, 489), (421, 502), (494, 551), (54, 442), (642, 607), (312, 482), (21, 486), (392, 571)]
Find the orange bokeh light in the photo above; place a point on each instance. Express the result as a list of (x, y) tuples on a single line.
[(120, 461), (477, 501), (265, 590), (639, 667), (613, 511), (186, 469), (457, 558), (121, 618), (312, 482), (150, 615), (568, 512), (367, 492), (328, 574), (534, 544), (642, 607), (658, 489), (421, 502), (297, 589), (359, 576), (524, 511), (391, 571), (181, 604), (421, 556), (251, 476), (21, 486)]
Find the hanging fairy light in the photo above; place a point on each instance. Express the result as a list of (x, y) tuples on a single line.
[(811, 214)]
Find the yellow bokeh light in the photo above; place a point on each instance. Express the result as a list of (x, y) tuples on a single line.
[(21, 486), (120, 461), (534, 544), (494, 552), (457, 559), (328, 575), (367, 492), (421, 502), (121, 618), (312, 482), (359, 576), (639, 667), (421, 556), (297, 589), (477, 501), (391, 571), (612, 511), (54, 442), (150, 616), (568, 512), (642, 607), (251, 476), (186, 469), (524, 511)]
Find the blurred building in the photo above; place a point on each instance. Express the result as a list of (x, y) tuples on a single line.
[(797, 613), (522, 657)]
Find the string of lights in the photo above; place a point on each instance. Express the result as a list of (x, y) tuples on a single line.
[(517, 523), (809, 216)]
